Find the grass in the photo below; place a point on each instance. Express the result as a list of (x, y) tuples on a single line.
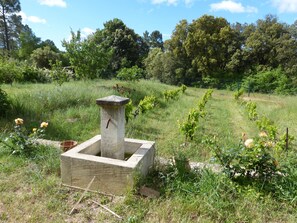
[(31, 190)]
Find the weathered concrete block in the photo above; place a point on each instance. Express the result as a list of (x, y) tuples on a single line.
[(80, 164)]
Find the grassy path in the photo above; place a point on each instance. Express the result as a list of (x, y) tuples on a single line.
[(227, 119)]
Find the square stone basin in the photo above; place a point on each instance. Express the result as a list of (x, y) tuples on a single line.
[(112, 176)]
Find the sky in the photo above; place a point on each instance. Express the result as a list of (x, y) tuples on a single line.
[(54, 19)]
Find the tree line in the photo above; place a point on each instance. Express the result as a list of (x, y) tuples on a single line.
[(207, 52)]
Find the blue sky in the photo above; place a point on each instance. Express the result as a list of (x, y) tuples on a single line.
[(54, 19)]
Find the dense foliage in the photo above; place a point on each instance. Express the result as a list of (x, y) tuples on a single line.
[(208, 52), (4, 102)]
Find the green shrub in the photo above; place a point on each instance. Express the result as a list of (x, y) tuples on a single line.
[(238, 93), (267, 125), (253, 159), (210, 82), (130, 74), (148, 103), (58, 73), (268, 81), (183, 88), (15, 71), (128, 110), (10, 71), (21, 142), (34, 74), (189, 126), (4, 102), (252, 112), (41, 57), (171, 94)]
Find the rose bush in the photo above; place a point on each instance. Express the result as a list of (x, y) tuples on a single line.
[(22, 142)]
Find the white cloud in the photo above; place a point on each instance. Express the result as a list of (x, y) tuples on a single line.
[(87, 31), (233, 7), (32, 18), (59, 3), (189, 3), (84, 33), (169, 2), (285, 5)]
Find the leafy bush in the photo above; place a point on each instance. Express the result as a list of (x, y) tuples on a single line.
[(148, 103), (34, 74), (254, 158), (238, 93), (183, 88), (210, 82), (128, 110), (10, 71), (269, 81), (21, 142), (13, 70), (130, 74), (171, 94), (265, 124), (58, 73), (4, 102), (41, 57), (189, 126), (252, 113)]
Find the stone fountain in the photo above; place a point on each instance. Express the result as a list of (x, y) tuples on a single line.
[(111, 158)]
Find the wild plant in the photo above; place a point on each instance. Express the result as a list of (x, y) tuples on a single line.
[(183, 88), (189, 126), (147, 103), (252, 112), (238, 93), (252, 159), (171, 94), (21, 142), (4, 102)]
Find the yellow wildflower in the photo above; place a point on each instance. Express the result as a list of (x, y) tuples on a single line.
[(43, 124), (243, 136), (263, 134), (249, 143), (19, 121), (269, 144), (34, 130)]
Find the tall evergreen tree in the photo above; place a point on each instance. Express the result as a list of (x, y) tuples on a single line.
[(10, 24)]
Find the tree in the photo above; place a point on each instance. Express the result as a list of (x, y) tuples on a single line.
[(88, 58), (161, 65), (28, 42), (153, 40), (50, 44), (10, 23), (128, 47), (176, 45), (156, 39), (210, 44), (43, 57), (153, 64)]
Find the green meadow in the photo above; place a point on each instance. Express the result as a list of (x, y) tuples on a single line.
[(31, 190)]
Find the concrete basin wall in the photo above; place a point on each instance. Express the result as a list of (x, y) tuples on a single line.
[(80, 164)]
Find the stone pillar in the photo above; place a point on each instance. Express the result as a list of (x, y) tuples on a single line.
[(112, 126)]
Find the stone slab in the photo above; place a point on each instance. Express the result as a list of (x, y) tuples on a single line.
[(80, 164)]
